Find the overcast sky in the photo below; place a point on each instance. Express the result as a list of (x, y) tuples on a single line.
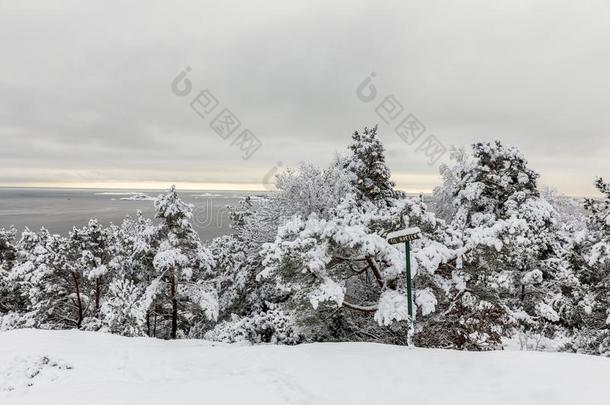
[(86, 99)]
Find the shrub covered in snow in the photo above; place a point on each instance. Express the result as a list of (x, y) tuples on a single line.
[(124, 308), (272, 326)]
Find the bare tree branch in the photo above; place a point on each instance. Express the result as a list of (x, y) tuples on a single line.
[(375, 268), (371, 308)]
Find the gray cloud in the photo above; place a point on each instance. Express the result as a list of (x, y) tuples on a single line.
[(85, 89)]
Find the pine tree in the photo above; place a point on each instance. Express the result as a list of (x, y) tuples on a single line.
[(94, 245), (123, 310), (181, 266), (345, 262), (310, 189), (48, 276), (505, 234), (492, 185), (598, 224), (371, 175), (10, 298), (588, 257)]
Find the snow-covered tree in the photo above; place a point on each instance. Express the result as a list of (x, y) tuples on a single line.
[(48, 276), (491, 185), (598, 224), (370, 173), (7, 248), (95, 248), (310, 189), (302, 191), (180, 293), (322, 214), (443, 201), (346, 262), (587, 258), (124, 308), (503, 233), (10, 299)]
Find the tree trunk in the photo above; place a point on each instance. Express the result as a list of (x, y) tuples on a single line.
[(155, 324), (172, 286), (148, 323), (522, 293), (98, 287), (79, 303)]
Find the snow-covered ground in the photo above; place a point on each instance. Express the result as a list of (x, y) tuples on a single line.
[(72, 367)]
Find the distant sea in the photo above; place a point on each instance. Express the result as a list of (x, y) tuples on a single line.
[(59, 210)]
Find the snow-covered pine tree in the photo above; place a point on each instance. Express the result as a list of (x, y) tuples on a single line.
[(125, 306), (588, 257), (10, 299), (494, 182), (123, 310), (310, 189), (244, 300), (345, 262), (371, 175), (7, 248), (95, 246), (321, 214), (598, 224), (504, 233), (48, 276), (134, 253), (180, 293), (443, 201)]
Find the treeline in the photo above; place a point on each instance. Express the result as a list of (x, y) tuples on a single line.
[(497, 259)]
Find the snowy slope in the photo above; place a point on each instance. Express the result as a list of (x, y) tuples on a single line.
[(71, 367)]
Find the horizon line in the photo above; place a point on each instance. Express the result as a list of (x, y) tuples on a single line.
[(160, 186), (182, 186)]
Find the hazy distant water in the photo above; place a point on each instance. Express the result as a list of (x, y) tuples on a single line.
[(60, 209)]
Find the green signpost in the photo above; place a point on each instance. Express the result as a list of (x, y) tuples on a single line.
[(406, 236), (409, 287)]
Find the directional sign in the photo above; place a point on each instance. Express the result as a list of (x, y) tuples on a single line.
[(403, 235), (406, 236)]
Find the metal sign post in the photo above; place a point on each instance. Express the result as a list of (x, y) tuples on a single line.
[(406, 236), (409, 287)]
